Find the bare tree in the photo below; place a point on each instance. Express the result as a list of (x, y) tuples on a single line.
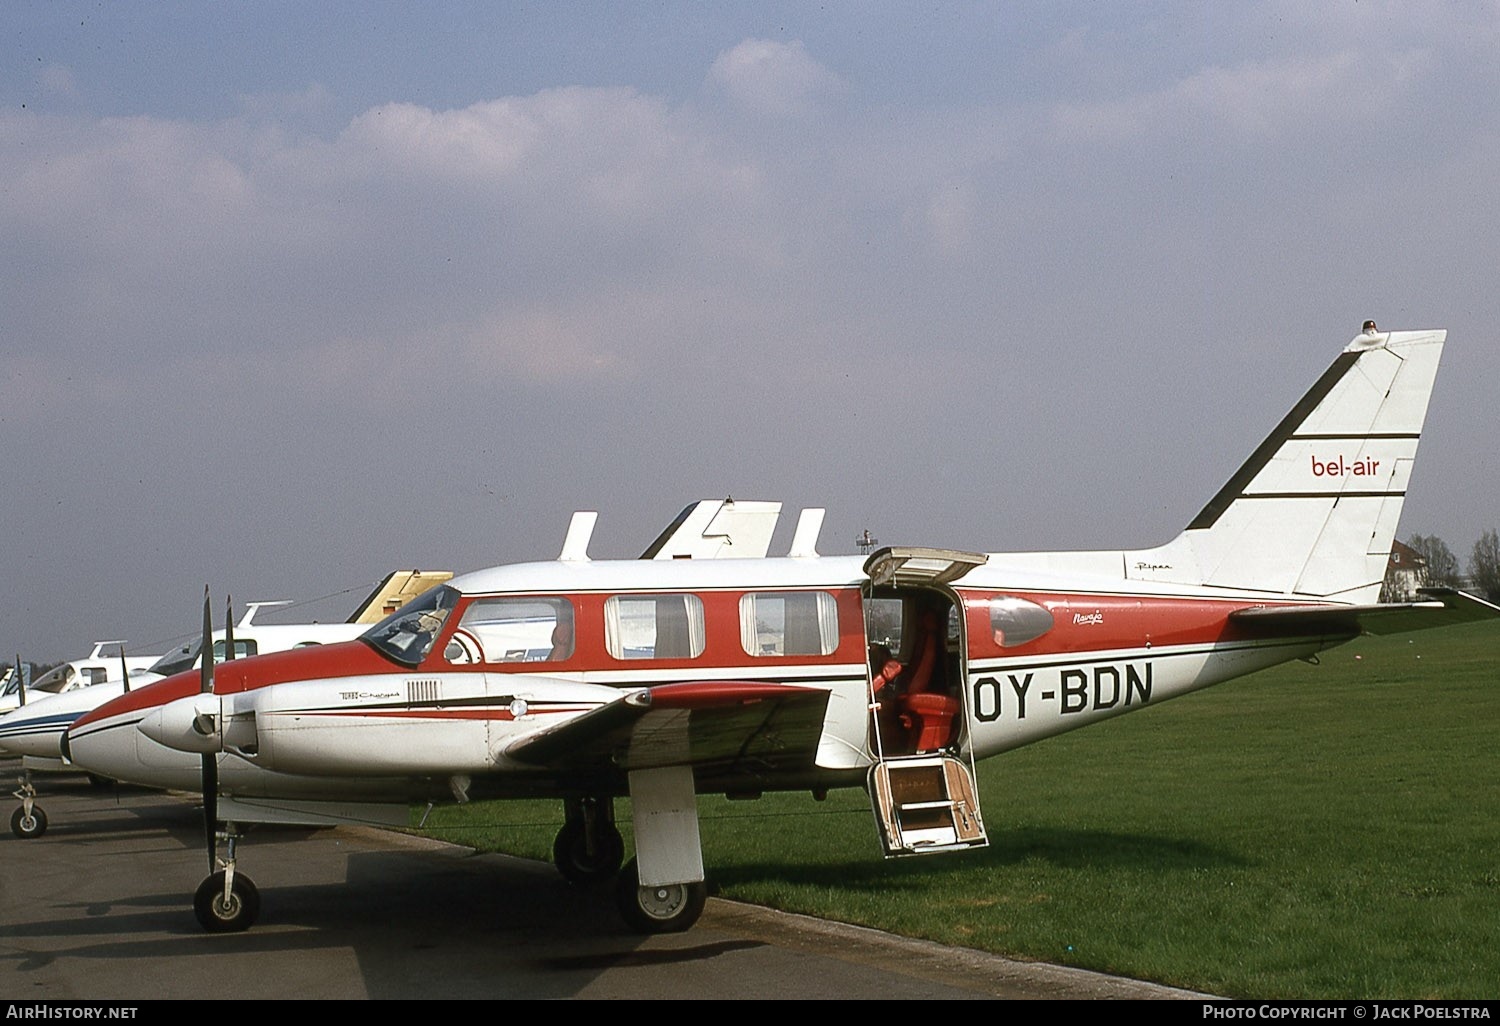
[(1442, 564), (1484, 565)]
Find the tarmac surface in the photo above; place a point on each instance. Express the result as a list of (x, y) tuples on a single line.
[(100, 908)]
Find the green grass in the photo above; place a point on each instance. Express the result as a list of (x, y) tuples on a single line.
[(1311, 831)]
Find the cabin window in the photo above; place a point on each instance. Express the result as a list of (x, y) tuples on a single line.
[(94, 675), (244, 648), (883, 618), (783, 623), (653, 626), (1015, 621), (513, 630)]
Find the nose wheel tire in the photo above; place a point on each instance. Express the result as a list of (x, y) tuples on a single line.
[(218, 914), (570, 852), (27, 825), (670, 908)]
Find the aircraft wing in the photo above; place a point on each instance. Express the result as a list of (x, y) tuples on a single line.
[(1436, 607), (717, 725)]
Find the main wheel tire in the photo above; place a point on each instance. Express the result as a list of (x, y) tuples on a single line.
[(219, 916), (577, 864), (27, 826), (667, 909)]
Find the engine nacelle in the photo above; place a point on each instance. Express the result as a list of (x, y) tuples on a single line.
[(429, 725), (188, 724)]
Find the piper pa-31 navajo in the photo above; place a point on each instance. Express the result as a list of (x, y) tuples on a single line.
[(658, 681)]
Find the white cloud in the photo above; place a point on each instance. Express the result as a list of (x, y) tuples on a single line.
[(537, 237), (476, 143), (773, 79), (1252, 102)]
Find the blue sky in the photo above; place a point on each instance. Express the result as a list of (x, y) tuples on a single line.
[(298, 294)]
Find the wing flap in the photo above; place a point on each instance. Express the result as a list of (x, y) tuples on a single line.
[(1436, 607), (717, 725)]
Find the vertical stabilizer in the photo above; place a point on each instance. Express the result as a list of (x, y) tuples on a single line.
[(398, 588), (1314, 509)]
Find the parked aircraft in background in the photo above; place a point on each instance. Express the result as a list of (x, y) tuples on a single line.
[(596, 680), (34, 730), (97, 668)]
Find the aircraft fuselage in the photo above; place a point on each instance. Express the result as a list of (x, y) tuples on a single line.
[(345, 721)]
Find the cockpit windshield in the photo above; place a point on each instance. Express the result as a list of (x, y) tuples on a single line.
[(407, 634), (184, 657), (55, 681)]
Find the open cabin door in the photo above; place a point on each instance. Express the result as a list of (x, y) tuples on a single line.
[(922, 781)]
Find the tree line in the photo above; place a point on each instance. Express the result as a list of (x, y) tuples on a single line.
[(1442, 567)]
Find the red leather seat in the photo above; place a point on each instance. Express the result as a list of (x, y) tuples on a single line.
[(927, 713)]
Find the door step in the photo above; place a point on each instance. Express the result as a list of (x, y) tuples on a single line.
[(925, 804)]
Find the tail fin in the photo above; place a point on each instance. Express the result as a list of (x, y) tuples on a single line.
[(389, 595), (1314, 509)]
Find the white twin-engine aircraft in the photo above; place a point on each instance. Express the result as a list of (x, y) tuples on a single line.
[(98, 667), (659, 681)]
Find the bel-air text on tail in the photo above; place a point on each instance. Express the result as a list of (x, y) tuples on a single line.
[(659, 680)]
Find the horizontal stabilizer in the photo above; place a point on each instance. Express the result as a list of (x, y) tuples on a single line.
[(1437, 607)]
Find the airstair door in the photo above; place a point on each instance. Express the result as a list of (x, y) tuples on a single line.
[(922, 780)]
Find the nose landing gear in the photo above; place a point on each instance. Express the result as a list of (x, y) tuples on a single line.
[(29, 820)]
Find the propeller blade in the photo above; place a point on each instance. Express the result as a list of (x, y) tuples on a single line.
[(228, 628), (210, 761), (206, 672), (124, 670), (211, 806), (20, 681)]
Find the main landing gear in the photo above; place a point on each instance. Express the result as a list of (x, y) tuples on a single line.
[(670, 908), (589, 850), (227, 901), (29, 820)]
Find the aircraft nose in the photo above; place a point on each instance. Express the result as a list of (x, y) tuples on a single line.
[(33, 735), (109, 752), (11, 725)]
